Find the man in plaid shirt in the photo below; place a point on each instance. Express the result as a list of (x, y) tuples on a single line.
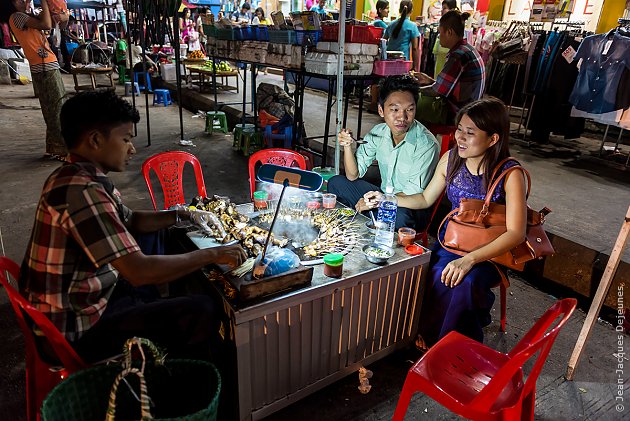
[(82, 244), (463, 77)]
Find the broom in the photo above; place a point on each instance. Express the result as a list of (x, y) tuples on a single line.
[(21, 79)]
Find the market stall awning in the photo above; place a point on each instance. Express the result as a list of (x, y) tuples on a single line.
[(191, 4), (81, 4)]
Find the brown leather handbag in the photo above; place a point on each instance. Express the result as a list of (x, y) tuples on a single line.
[(478, 222)]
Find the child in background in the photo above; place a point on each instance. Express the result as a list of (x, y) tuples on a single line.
[(59, 13)]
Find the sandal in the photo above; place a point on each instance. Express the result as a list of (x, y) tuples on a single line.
[(56, 157), (421, 345)]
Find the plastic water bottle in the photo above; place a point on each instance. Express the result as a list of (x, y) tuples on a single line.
[(386, 218)]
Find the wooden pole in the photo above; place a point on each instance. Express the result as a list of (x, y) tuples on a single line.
[(600, 295)]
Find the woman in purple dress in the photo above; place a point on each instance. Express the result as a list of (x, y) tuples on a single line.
[(459, 295)]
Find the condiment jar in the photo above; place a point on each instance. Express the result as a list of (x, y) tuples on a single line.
[(406, 236), (333, 265), (260, 199)]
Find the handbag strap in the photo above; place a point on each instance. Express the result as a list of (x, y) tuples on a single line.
[(486, 205), (444, 246), (144, 397), (498, 167)]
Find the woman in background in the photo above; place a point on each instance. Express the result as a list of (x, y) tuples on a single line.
[(403, 35), (47, 83), (382, 11), (438, 51), (259, 17)]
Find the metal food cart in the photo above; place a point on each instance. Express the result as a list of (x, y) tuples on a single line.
[(294, 343)]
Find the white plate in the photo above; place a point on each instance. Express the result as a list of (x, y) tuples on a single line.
[(201, 241)]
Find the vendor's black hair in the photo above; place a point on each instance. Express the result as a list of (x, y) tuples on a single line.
[(183, 12), (450, 4), (94, 110), (246, 6), (405, 9), (454, 19), (403, 83), (7, 8), (380, 5)]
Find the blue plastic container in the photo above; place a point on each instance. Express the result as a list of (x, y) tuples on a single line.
[(307, 37), (262, 33), (282, 36)]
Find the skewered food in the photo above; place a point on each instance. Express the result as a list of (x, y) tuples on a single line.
[(337, 234)]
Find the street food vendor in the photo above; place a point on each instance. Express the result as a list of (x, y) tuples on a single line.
[(462, 78), (407, 153), (84, 268)]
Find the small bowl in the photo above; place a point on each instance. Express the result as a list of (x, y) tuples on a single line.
[(376, 259), (370, 227)]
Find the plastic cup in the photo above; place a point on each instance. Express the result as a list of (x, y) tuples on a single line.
[(329, 200), (260, 199), (406, 236)]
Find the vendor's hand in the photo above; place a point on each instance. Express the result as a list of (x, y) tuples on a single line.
[(454, 272), (372, 199), (424, 79), (233, 256), (345, 138), (201, 219)]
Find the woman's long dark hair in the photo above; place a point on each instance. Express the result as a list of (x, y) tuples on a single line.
[(405, 10), (380, 5), (490, 115), (7, 8)]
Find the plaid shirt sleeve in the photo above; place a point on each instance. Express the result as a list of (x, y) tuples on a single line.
[(447, 79), (94, 221)]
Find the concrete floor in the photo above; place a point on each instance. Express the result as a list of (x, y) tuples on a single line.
[(570, 186)]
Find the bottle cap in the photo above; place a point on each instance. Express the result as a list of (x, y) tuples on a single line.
[(389, 189), (263, 195), (333, 259)]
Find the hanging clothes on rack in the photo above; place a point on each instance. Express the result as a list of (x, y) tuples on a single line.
[(429, 32), (602, 90)]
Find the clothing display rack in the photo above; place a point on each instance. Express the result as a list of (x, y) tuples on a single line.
[(622, 24), (566, 30)]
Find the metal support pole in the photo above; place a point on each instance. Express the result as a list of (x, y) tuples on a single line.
[(340, 64), (244, 95), (601, 147), (327, 123), (178, 74), (131, 72), (140, 12)]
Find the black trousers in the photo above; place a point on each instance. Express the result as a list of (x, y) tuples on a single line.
[(185, 326), (350, 192)]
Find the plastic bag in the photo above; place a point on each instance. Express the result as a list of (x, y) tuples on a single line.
[(279, 260)]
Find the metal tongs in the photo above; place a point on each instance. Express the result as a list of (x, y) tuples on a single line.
[(260, 267)]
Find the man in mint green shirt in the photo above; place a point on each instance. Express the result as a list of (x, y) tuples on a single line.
[(407, 153)]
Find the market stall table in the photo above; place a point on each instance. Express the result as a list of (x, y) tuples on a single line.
[(92, 72), (204, 72), (293, 343)]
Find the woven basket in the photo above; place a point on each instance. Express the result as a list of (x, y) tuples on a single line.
[(179, 389)]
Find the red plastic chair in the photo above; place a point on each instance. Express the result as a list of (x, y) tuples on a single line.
[(276, 156), (169, 168), (479, 383), (42, 374)]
